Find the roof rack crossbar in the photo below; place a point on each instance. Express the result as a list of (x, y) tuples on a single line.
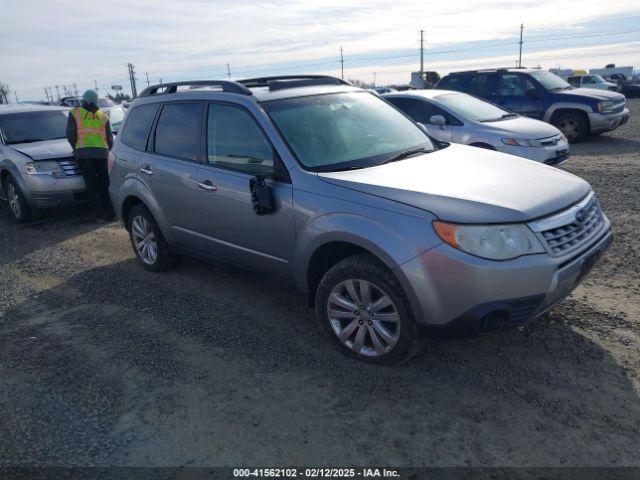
[(292, 81), (227, 86)]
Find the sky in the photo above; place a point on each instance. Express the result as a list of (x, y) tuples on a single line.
[(48, 43)]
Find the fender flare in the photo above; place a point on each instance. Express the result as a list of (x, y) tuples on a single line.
[(565, 106), (11, 168)]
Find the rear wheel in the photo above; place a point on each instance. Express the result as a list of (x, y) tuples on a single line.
[(18, 206), (148, 243), (573, 126), (364, 311)]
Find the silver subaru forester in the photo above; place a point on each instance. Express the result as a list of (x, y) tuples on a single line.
[(328, 186)]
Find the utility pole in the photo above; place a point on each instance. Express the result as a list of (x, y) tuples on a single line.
[(341, 63), (147, 75), (421, 52), (520, 55), (58, 91), (228, 70), (75, 89), (160, 80), (374, 79), (95, 86), (16, 94), (132, 79)]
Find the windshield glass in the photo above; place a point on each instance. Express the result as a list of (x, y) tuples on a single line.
[(549, 80), (116, 115), (105, 103), (33, 126), (344, 130), (470, 107)]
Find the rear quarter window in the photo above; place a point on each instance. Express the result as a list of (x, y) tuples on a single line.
[(138, 125)]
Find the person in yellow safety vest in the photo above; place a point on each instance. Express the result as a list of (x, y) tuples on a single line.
[(89, 134)]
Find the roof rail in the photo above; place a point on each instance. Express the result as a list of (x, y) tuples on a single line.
[(227, 86), (292, 81)]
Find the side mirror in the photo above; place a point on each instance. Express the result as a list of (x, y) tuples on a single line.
[(438, 120), (261, 196)]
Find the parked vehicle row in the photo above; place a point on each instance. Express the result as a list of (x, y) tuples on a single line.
[(336, 191), (577, 112)]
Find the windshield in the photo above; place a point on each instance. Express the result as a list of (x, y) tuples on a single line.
[(345, 130), (105, 103), (116, 115), (598, 79), (549, 80), (33, 126), (472, 108)]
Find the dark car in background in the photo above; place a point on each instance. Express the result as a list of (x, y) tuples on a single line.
[(577, 112)]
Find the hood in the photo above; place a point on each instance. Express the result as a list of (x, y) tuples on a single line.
[(45, 150), (469, 185), (521, 127), (593, 93)]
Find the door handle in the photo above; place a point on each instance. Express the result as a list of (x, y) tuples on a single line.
[(146, 170), (207, 185)]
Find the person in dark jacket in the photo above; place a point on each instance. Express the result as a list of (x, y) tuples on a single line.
[(89, 133)]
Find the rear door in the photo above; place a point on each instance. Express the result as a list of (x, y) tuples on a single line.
[(170, 167), (238, 150), (519, 94)]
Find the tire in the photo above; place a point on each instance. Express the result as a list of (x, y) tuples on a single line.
[(399, 340), (573, 126), (19, 209), (142, 227)]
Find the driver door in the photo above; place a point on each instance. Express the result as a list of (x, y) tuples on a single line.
[(237, 151)]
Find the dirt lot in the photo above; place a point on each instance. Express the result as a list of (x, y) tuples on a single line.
[(104, 363)]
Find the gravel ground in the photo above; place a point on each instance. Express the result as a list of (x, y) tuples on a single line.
[(103, 363)]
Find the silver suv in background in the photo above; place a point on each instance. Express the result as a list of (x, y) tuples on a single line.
[(37, 167), (333, 189), (457, 117)]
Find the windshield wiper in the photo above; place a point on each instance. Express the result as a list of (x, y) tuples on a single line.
[(405, 154)]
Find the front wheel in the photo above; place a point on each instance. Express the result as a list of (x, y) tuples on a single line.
[(573, 126), (18, 206), (364, 311)]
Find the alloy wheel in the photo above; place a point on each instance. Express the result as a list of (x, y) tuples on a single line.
[(363, 317), (14, 199), (144, 240)]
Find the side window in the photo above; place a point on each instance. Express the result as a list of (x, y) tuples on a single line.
[(235, 141), (588, 79), (485, 85), (178, 130), (574, 81), (138, 124), (458, 82), (515, 85), (422, 110)]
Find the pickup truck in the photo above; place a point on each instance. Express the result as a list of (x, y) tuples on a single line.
[(535, 93)]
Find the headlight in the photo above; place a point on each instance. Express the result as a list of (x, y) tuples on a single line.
[(44, 168), (521, 142), (495, 242), (603, 107)]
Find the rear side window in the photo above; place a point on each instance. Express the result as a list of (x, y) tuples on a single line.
[(178, 130), (458, 82), (235, 141), (486, 85), (138, 125)]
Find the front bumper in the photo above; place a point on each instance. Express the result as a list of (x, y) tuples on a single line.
[(605, 122), (554, 155), (455, 291), (45, 191)]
